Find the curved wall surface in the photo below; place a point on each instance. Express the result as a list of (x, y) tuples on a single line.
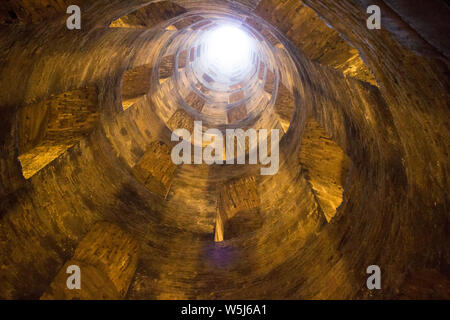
[(86, 134)]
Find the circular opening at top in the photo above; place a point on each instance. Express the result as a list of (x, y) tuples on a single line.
[(228, 51)]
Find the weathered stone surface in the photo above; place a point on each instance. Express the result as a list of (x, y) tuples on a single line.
[(185, 23), (195, 101), (60, 123), (419, 112), (269, 85), (135, 84), (312, 36), (202, 88), (325, 166), (425, 284), (182, 58), (107, 257), (167, 67), (236, 97), (149, 16), (181, 120), (238, 195), (207, 78), (238, 208), (237, 113), (33, 11), (155, 169), (284, 106)]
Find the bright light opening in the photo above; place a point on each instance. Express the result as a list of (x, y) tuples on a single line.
[(228, 50)]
